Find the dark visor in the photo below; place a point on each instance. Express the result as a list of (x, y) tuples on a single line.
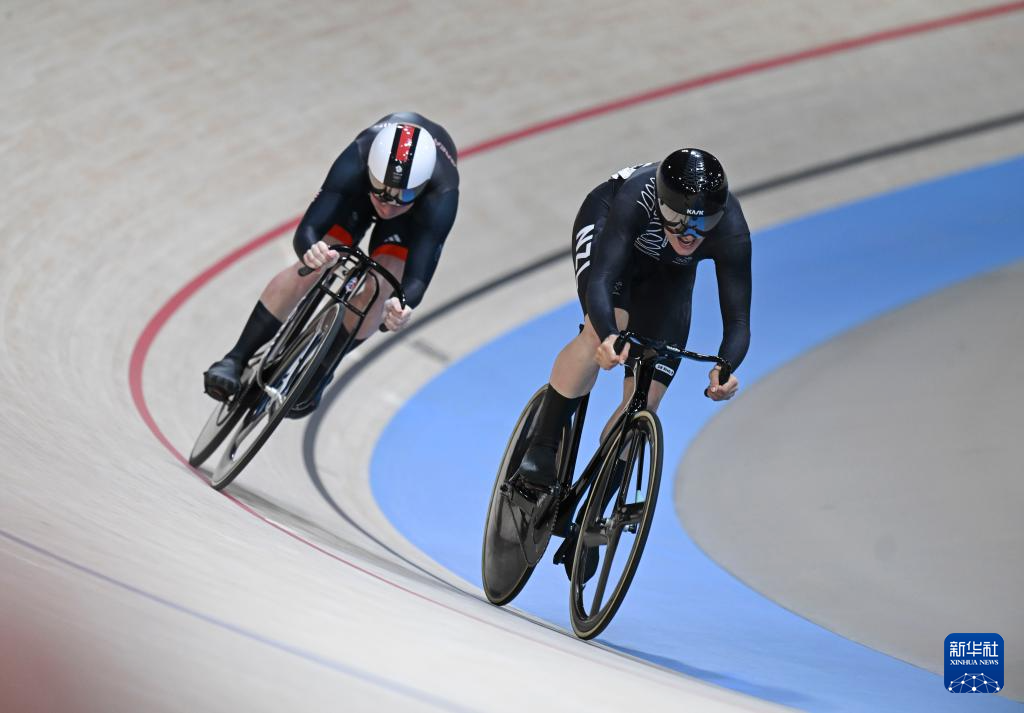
[(681, 222), (399, 196)]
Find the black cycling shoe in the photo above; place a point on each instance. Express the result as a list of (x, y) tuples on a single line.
[(222, 379), (537, 469), (533, 488), (566, 553)]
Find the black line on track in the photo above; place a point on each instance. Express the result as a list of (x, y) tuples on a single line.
[(780, 181), (885, 152)]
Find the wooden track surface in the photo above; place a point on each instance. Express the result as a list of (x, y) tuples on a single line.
[(143, 141)]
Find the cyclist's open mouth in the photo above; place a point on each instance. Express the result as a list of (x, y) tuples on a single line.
[(684, 244)]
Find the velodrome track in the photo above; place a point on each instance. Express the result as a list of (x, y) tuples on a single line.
[(146, 143)]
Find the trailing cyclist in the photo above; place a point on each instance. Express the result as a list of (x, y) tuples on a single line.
[(399, 177)]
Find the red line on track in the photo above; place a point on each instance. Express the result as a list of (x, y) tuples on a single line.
[(141, 350), (741, 70), (142, 346)]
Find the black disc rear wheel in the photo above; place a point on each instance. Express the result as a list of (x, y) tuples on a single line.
[(514, 541)]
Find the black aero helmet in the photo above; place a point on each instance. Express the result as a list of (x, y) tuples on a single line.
[(692, 190)]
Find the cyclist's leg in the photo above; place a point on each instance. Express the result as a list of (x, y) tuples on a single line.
[(574, 371), (659, 385), (650, 317), (222, 379), (390, 252), (564, 554), (654, 396), (287, 287), (276, 302), (389, 247)]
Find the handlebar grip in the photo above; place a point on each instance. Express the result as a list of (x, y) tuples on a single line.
[(336, 249), (620, 343), (724, 373)]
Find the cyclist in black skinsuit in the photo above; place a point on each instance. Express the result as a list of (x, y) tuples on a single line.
[(399, 177), (637, 240)]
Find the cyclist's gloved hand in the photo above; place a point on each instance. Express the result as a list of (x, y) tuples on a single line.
[(320, 255), (721, 392), (396, 316), (605, 355)]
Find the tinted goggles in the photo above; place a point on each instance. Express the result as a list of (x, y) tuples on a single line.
[(396, 196), (679, 223)]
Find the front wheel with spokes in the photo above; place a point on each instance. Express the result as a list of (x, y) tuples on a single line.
[(616, 521), (288, 378)]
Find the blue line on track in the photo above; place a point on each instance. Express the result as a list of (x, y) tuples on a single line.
[(366, 676)]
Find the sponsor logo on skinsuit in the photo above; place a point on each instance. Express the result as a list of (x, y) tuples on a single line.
[(584, 239)]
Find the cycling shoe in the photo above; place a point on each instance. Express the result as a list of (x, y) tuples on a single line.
[(221, 380), (537, 469)]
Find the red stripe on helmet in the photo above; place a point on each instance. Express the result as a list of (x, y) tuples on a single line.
[(405, 142)]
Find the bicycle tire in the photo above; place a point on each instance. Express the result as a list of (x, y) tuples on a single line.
[(319, 335), (643, 430), (219, 424), (226, 413), (294, 323)]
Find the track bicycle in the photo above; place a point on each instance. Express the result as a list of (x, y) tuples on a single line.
[(283, 369), (605, 512)]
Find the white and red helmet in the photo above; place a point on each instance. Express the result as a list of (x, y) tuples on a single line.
[(401, 162)]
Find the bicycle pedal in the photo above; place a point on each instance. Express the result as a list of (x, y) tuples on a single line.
[(217, 394), (522, 497), (536, 503)]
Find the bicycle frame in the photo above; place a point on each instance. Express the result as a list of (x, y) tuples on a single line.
[(579, 488), (643, 363), (339, 283)]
